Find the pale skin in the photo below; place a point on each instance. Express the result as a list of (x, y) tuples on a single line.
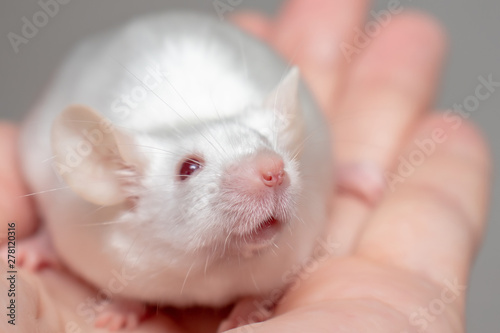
[(393, 256)]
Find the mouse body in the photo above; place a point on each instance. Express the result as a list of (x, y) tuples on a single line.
[(183, 155)]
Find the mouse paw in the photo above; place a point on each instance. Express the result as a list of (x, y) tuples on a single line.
[(247, 311), (364, 180), (119, 314), (35, 252)]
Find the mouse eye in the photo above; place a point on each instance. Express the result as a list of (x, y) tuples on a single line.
[(189, 166)]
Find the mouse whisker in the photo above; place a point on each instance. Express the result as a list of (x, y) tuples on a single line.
[(94, 211), (206, 266), (195, 114), (187, 275), (100, 224), (48, 159), (161, 150), (299, 218), (254, 282), (43, 192), (301, 145), (129, 250), (225, 242), (221, 119), (168, 105)]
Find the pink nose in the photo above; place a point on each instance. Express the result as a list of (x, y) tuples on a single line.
[(271, 168)]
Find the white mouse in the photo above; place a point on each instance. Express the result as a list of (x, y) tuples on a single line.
[(185, 152)]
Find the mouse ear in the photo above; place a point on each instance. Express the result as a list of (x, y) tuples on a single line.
[(94, 154), (284, 100)]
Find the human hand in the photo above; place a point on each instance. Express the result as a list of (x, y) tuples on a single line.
[(402, 265), (393, 257)]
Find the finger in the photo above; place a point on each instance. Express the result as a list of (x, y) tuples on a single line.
[(13, 207), (309, 33), (434, 219), (21, 298), (359, 295), (390, 87), (340, 316), (254, 23), (53, 301)]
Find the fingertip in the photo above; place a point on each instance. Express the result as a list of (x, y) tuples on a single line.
[(255, 23), (310, 34), (397, 73), (13, 206), (8, 139), (407, 43), (462, 137), (427, 24)]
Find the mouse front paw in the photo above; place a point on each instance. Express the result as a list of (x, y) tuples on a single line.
[(120, 314), (33, 253)]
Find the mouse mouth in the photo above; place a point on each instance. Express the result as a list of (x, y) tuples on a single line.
[(265, 232)]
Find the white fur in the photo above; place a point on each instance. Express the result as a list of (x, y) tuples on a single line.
[(213, 100)]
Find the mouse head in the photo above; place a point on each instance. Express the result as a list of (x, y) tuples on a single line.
[(230, 184)]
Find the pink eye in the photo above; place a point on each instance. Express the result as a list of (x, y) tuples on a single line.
[(189, 166)]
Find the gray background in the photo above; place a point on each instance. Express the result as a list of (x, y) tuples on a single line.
[(473, 27)]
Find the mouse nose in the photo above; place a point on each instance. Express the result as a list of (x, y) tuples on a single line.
[(272, 169), (272, 179)]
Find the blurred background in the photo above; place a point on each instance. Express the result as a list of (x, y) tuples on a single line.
[(473, 28)]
